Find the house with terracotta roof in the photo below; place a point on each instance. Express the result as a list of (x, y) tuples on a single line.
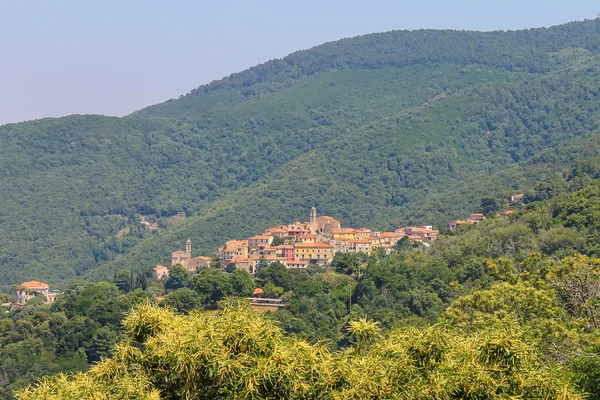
[(255, 241), (295, 232), (517, 198), (317, 253), (25, 291), (244, 264), (423, 232), (277, 232), (161, 271), (262, 250), (307, 238), (360, 246), (339, 245), (344, 233), (391, 238), (477, 217), (453, 225), (272, 259), (364, 233), (233, 249), (286, 251)]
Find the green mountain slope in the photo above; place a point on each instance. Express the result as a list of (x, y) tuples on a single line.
[(377, 130), (425, 165), (524, 50)]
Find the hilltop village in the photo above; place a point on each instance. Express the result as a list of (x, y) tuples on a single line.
[(299, 245), (296, 245)]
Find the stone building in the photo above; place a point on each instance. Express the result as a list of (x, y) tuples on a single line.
[(184, 258), (323, 224)]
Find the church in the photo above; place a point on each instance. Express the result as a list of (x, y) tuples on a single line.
[(323, 224), (184, 258)]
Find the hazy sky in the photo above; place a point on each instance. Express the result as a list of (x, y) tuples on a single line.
[(114, 57)]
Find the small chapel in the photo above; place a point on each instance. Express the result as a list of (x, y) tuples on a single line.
[(184, 258)]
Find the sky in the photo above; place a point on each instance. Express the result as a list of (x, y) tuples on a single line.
[(110, 57)]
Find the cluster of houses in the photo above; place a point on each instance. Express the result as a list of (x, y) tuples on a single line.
[(300, 244), (516, 199), (295, 245), (473, 219)]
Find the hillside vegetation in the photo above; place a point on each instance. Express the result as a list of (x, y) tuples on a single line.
[(379, 130), (508, 307)]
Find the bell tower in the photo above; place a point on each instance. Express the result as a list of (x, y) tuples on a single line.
[(188, 248), (312, 220)]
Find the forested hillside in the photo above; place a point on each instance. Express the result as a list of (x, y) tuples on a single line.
[(379, 130), (508, 307)]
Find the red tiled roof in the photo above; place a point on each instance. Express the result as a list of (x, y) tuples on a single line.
[(317, 244), (35, 285), (344, 230), (391, 234)]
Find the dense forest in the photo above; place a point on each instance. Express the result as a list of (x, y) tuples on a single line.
[(508, 307), (511, 281), (380, 130)]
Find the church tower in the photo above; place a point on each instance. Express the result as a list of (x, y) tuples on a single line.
[(312, 220), (188, 248)]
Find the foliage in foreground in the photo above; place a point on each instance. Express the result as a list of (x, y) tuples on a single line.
[(239, 354)]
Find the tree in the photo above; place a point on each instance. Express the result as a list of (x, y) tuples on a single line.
[(182, 300), (178, 278), (348, 263), (577, 280), (272, 291), (489, 205), (277, 241), (172, 356), (102, 343), (402, 244), (242, 283), (277, 274), (212, 285), (230, 268), (124, 280)]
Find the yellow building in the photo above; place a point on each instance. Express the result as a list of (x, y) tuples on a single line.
[(319, 253), (344, 234)]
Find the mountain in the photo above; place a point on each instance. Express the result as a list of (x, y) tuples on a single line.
[(379, 130)]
